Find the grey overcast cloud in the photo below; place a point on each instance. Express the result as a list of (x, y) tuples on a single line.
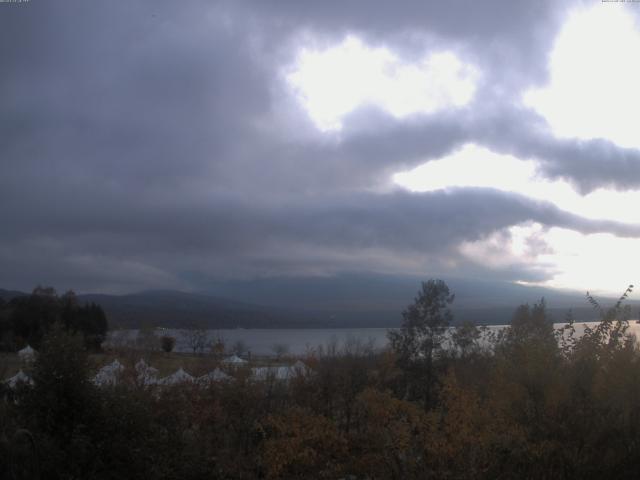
[(171, 144)]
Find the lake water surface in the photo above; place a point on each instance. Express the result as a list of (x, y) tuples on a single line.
[(294, 341)]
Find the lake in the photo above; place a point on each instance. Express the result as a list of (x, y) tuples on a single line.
[(294, 341)]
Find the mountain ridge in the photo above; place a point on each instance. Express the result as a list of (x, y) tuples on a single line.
[(350, 300)]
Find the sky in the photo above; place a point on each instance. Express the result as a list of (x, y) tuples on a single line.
[(163, 144)]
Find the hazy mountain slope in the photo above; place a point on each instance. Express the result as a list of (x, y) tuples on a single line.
[(385, 291), (379, 299), (341, 301), (180, 309)]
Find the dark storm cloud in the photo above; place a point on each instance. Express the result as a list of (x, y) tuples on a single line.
[(370, 154), (143, 143), (152, 243), (587, 164)]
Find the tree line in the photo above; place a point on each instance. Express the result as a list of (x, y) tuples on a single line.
[(529, 401), (25, 320)]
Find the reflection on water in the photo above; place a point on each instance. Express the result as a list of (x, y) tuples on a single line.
[(290, 341)]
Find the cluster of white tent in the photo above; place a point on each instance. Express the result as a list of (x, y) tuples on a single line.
[(145, 374), (148, 375), (283, 373)]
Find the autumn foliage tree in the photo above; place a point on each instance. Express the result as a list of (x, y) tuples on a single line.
[(302, 445)]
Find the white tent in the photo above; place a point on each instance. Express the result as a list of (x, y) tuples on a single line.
[(180, 376), (279, 372), (18, 378), (147, 375), (299, 368), (215, 376), (27, 354), (234, 360), (271, 373), (109, 374)]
